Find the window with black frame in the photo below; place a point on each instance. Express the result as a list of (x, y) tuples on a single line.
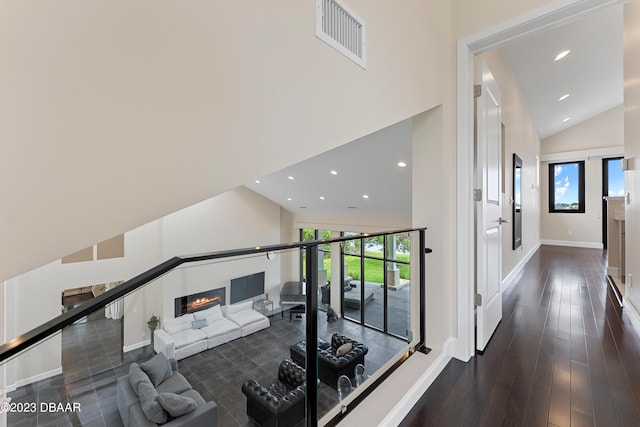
[(324, 261), (377, 278), (566, 187)]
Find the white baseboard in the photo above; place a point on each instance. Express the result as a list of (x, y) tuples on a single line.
[(589, 245), (400, 411), (508, 280), (135, 346), (35, 378), (613, 271), (459, 353), (633, 314)]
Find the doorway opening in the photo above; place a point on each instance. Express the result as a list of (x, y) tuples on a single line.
[(613, 223), (533, 22)]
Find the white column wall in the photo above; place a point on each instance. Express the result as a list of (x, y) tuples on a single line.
[(632, 153)]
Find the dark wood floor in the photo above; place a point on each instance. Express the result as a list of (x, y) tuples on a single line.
[(565, 354)]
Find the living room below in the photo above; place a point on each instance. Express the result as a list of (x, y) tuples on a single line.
[(93, 368)]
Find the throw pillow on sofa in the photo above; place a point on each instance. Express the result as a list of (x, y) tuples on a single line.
[(150, 404), (158, 368), (236, 308), (137, 376), (211, 314), (176, 405), (181, 323), (198, 324), (344, 349)]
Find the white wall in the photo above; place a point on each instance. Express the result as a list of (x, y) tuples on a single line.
[(632, 150), (522, 139), (118, 113), (428, 168), (602, 131), (472, 16), (233, 220)]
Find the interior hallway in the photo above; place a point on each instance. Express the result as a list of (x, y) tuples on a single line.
[(565, 354)]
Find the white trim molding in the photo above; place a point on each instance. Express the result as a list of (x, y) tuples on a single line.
[(36, 378), (630, 309), (583, 154), (588, 245), (509, 278), (415, 392), (390, 403), (136, 346)]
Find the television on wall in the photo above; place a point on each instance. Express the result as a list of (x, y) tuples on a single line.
[(246, 287)]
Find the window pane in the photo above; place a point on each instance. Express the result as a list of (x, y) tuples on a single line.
[(566, 187), (373, 246), (351, 294), (352, 246), (615, 178), (398, 299), (373, 293), (399, 247)]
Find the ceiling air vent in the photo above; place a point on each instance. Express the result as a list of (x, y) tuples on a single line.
[(339, 27)]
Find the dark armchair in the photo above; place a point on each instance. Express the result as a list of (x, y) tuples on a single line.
[(331, 366), (280, 403)]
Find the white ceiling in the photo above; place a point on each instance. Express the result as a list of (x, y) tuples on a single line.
[(591, 73), (367, 166)]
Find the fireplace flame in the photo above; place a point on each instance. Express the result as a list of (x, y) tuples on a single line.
[(203, 302)]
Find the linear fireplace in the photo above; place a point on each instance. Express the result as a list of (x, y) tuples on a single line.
[(199, 301)]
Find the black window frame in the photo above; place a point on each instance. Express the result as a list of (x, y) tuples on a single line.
[(581, 190)]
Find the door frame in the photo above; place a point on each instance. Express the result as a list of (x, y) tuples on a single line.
[(605, 193), (547, 17)]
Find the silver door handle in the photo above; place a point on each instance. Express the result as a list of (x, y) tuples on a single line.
[(501, 221)]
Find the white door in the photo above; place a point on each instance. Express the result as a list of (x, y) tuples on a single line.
[(488, 207)]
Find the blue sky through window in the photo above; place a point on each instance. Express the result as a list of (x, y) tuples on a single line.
[(615, 178), (566, 185)]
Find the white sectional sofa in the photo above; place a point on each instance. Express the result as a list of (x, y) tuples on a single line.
[(247, 318), (192, 333)]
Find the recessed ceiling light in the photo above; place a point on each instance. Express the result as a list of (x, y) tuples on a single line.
[(289, 198), (334, 172), (566, 119), (402, 165), (303, 207), (321, 197), (290, 178), (562, 55), (563, 97), (257, 181), (365, 196)]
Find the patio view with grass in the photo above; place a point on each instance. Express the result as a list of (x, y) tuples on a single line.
[(372, 270), (364, 297), (372, 258)]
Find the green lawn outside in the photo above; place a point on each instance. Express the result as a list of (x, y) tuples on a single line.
[(373, 269)]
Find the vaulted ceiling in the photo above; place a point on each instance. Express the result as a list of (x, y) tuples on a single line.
[(367, 178)]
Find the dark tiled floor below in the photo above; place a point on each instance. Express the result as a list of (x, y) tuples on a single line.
[(92, 361)]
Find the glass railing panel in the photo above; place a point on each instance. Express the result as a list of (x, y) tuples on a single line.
[(398, 299), (90, 358), (79, 376), (387, 339)]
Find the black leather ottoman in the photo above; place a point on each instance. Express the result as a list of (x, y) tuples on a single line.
[(299, 350)]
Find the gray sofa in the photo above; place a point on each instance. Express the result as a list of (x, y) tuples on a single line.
[(155, 393)]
